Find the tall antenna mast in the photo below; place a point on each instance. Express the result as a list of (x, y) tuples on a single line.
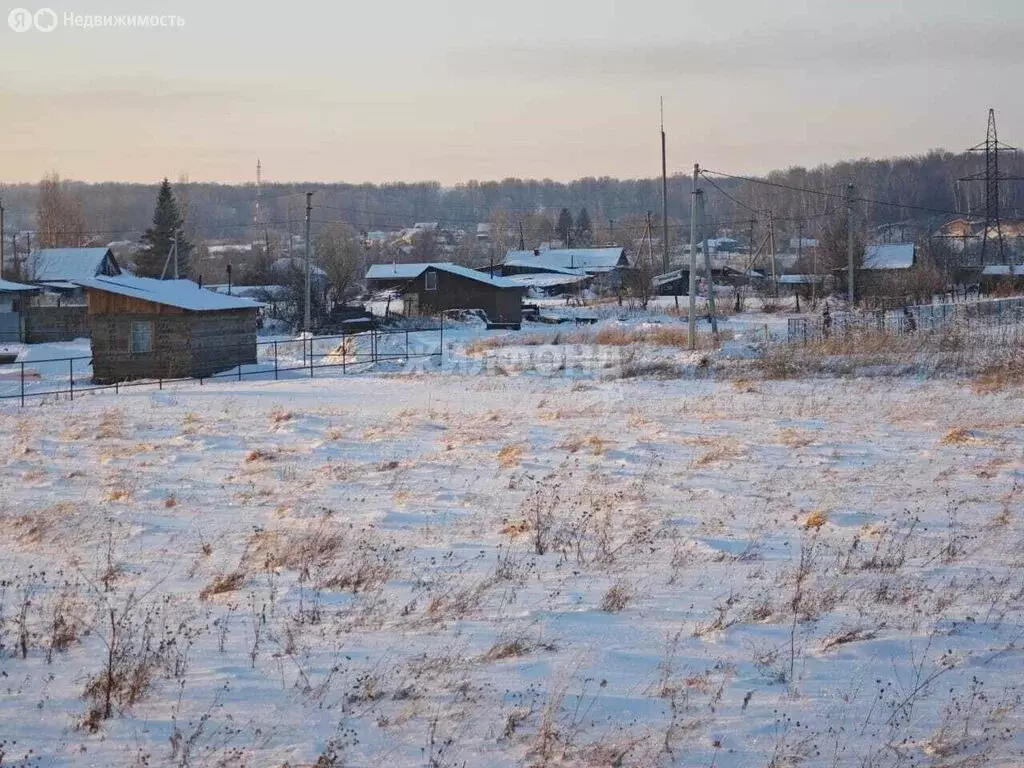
[(664, 194), (992, 177), (259, 193)]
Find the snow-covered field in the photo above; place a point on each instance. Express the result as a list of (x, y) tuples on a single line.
[(448, 570)]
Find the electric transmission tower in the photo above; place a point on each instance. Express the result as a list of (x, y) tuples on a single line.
[(259, 218), (992, 176)]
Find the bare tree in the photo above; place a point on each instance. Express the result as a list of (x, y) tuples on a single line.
[(59, 219), (342, 256)]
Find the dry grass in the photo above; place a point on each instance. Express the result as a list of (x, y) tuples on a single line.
[(617, 598), (111, 425), (224, 583), (259, 455), (119, 493), (795, 438), (279, 416), (722, 449), (666, 335), (816, 519), (998, 377), (595, 445), (958, 436), (510, 455), (170, 502), (517, 528)]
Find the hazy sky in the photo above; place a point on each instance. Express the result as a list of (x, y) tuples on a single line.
[(379, 90)]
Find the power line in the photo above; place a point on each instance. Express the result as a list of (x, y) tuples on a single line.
[(834, 195)]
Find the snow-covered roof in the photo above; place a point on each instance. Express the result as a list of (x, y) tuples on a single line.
[(6, 286), (546, 268), (183, 294), (412, 271), (799, 279), (51, 264), (588, 259), (257, 292), (545, 279), (285, 264), (1004, 269), (395, 271), (889, 256)]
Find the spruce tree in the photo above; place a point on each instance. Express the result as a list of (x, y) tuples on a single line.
[(584, 231), (564, 227), (159, 238)]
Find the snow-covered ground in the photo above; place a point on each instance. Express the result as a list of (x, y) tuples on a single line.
[(456, 570)]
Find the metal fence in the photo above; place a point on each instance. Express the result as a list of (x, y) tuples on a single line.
[(995, 313), (66, 377)]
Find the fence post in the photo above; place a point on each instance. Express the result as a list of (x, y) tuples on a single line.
[(23, 385), (440, 353), (311, 357), (406, 344), (275, 361), (238, 358), (71, 377)]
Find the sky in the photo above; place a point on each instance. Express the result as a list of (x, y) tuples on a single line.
[(453, 90)]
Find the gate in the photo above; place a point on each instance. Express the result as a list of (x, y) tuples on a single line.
[(10, 327)]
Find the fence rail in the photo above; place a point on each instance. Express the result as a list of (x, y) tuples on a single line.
[(345, 353), (996, 313)]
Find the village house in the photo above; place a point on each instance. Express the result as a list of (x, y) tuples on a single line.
[(428, 289), (592, 261), (55, 270), (13, 297), (147, 329)]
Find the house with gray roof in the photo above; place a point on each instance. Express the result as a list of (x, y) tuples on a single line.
[(431, 288)]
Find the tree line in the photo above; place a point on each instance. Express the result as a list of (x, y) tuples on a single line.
[(113, 211)]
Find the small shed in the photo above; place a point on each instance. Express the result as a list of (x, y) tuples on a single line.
[(147, 329), (433, 288), (13, 297)]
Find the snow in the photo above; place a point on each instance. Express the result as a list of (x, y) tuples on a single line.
[(6, 286), (545, 280), (587, 259), (65, 264), (1003, 269), (800, 578), (412, 271), (889, 256), (184, 294), (546, 267)]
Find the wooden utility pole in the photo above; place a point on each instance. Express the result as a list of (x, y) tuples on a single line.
[(664, 195), (693, 260), (306, 321), (775, 270), (1, 238), (850, 292), (707, 266), (650, 244)]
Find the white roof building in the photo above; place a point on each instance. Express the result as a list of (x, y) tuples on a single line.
[(183, 294), (413, 271), (889, 256), (590, 260), (65, 265)]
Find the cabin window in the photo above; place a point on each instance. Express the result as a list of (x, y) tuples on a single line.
[(141, 337), (431, 281)]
